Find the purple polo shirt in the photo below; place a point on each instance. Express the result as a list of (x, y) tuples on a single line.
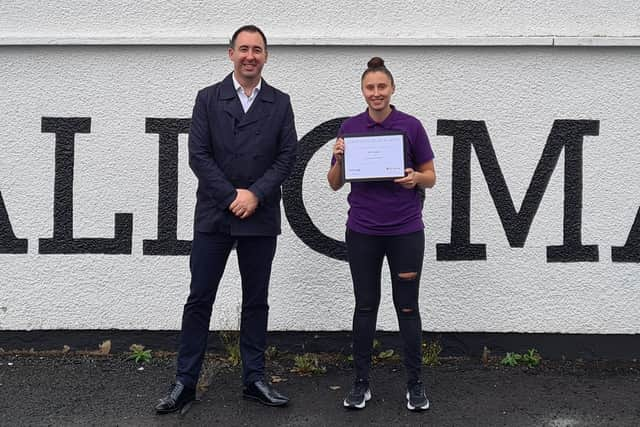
[(384, 207)]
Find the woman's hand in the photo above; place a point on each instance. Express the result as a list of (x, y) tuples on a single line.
[(338, 149), (334, 176), (410, 179), (424, 177)]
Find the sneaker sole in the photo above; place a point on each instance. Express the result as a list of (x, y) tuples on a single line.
[(414, 408), (367, 397)]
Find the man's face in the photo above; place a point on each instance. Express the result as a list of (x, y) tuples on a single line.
[(248, 55)]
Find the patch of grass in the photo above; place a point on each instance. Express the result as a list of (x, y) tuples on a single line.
[(231, 342), (139, 354), (431, 353), (307, 364), (531, 359)]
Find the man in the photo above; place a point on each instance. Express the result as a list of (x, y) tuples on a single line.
[(242, 146)]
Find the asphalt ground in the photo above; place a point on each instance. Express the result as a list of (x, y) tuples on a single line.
[(62, 389)]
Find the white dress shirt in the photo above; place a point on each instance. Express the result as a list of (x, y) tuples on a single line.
[(245, 100)]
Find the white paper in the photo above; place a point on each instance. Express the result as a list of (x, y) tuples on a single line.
[(371, 157)]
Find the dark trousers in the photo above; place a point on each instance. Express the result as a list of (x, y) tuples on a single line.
[(404, 254), (209, 254)]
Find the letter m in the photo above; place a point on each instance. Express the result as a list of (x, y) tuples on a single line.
[(567, 134)]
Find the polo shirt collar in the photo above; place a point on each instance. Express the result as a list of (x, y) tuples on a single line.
[(386, 123)]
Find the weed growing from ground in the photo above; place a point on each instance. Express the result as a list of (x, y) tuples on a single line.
[(485, 358), (139, 354), (531, 358), (307, 364), (431, 353), (105, 347), (271, 352), (231, 342), (383, 355), (511, 359), (386, 354)]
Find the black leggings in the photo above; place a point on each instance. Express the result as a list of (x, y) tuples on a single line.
[(404, 254)]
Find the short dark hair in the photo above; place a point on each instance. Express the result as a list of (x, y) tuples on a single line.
[(377, 64), (249, 29)]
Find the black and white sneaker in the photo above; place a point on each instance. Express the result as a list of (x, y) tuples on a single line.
[(416, 397), (358, 396)]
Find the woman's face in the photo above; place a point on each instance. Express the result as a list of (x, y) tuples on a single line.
[(377, 90)]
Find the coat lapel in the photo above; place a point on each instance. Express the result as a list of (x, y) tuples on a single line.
[(260, 107), (229, 97)]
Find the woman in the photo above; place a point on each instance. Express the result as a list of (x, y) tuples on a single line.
[(385, 219)]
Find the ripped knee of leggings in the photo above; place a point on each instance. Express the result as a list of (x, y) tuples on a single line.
[(408, 311), (408, 276)]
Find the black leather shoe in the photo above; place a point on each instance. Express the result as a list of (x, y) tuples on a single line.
[(178, 397), (265, 394)]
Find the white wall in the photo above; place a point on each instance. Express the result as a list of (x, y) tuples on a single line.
[(309, 18), (518, 91)]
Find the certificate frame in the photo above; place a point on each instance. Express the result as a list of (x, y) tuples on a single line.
[(376, 156)]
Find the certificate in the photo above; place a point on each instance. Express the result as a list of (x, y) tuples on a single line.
[(373, 157)]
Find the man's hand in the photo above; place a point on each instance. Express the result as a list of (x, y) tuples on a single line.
[(245, 204)]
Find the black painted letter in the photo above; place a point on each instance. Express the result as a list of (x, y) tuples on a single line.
[(294, 208), (63, 241), (9, 243), (630, 252), (567, 134), (167, 242)]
